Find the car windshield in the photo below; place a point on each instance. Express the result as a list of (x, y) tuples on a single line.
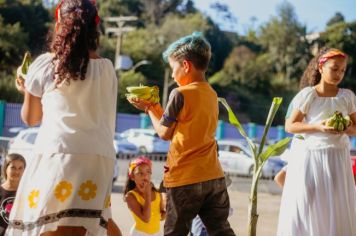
[(30, 138)]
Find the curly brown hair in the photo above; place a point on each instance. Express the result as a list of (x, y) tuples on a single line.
[(77, 35), (311, 75)]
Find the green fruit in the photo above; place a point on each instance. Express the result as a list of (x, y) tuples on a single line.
[(336, 125), (347, 121), (341, 126), (138, 89), (26, 63), (330, 122)]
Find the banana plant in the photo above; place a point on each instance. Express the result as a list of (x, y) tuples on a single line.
[(260, 156)]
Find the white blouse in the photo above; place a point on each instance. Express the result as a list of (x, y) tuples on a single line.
[(78, 118), (317, 109)]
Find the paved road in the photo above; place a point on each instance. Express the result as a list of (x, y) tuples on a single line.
[(268, 202)]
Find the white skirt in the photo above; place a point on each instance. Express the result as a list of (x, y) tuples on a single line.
[(319, 197), (63, 190)]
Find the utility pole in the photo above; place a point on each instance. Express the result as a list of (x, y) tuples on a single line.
[(119, 30)]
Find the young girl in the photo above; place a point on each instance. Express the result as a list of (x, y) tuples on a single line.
[(12, 171), (72, 92), (322, 200), (144, 201)]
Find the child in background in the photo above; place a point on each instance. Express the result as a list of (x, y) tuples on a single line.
[(143, 200), (322, 200), (13, 168)]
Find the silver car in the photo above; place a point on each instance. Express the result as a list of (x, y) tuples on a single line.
[(235, 158)]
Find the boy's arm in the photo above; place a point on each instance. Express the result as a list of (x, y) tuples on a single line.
[(156, 112)]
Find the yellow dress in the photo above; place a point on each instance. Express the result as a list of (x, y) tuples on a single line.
[(153, 226)]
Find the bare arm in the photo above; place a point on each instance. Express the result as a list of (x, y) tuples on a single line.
[(155, 112), (143, 212), (295, 125), (31, 111), (162, 206), (351, 130)]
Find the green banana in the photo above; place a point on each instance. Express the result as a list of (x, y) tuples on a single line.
[(150, 94), (341, 126), (338, 122), (347, 121), (23, 69), (26, 63), (330, 122), (138, 89), (336, 125)]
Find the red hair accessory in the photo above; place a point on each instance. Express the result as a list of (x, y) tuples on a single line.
[(330, 54), (137, 162), (56, 12)]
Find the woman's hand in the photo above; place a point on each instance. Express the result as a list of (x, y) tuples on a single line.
[(322, 127), (20, 81)]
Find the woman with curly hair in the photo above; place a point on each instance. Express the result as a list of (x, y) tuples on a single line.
[(72, 92), (319, 196)]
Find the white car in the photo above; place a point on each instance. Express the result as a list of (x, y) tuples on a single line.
[(235, 158), (24, 141), (146, 140)]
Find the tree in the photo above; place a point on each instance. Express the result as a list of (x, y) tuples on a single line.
[(283, 38), (337, 18), (342, 35), (128, 78), (13, 42), (33, 18)]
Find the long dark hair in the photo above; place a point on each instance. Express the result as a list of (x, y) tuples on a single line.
[(311, 75), (77, 35)]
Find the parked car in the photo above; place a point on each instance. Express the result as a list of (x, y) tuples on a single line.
[(24, 141), (122, 146), (235, 158), (353, 160), (146, 140)]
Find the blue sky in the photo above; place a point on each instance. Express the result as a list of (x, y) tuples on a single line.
[(313, 13)]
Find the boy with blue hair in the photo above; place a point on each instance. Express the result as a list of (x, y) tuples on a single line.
[(193, 177)]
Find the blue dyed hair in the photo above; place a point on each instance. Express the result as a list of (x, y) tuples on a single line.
[(194, 48)]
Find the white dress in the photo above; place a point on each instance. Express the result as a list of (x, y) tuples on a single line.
[(319, 196), (68, 180)]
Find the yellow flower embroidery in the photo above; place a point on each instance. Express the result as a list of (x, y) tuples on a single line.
[(63, 190), (107, 201), (33, 198), (87, 190)]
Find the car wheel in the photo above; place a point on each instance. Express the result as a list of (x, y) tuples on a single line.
[(142, 149)]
